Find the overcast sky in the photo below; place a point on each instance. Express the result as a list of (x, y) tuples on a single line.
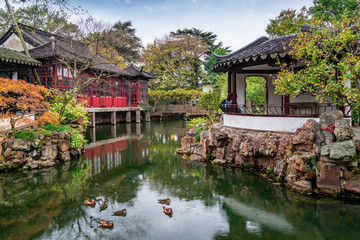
[(236, 22)]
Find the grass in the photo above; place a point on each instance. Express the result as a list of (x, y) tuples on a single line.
[(60, 128), (29, 135)]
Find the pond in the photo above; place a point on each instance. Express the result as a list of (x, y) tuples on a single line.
[(131, 166)]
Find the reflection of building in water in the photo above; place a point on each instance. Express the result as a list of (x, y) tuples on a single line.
[(109, 154)]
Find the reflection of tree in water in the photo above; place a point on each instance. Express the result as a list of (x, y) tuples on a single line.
[(29, 201)]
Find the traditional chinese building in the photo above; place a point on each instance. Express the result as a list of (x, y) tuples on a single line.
[(102, 84), (279, 113)]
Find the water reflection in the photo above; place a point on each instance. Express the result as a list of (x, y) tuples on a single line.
[(131, 165)]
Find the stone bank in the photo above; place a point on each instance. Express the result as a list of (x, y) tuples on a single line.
[(320, 157)]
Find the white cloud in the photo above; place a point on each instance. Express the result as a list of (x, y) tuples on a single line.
[(150, 9), (128, 1), (194, 1)]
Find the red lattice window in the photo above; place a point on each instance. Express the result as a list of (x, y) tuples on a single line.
[(143, 92), (46, 76)]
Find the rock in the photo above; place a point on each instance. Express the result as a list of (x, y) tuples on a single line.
[(329, 118), (220, 152), (328, 136), (265, 162), (353, 185), (356, 140), (65, 156), (186, 141), (47, 163), (204, 135), (182, 151), (219, 161), (41, 136), (304, 136), (198, 150), (37, 143), (195, 157), (49, 152), (67, 135), (191, 133), (35, 153), (78, 120), (64, 146), (301, 186), (339, 150), (328, 177), (280, 166), (33, 165), (343, 130), (311, 124), (10, 154)]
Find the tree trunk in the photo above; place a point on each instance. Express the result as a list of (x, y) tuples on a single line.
[(21, 38)]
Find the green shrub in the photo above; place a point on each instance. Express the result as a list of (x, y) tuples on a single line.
[(355, 115), (191, 122), (28, 135), (198, 137), (68, 107), (77, 139)]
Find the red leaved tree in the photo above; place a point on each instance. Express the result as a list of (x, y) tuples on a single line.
[(19, 98)]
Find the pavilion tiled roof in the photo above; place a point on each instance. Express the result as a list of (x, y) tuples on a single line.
[(260, 49), (12, 56), (51, 45), (136, 72)]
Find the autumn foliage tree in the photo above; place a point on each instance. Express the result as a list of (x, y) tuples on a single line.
[(18, 98), (331, 54), (176, 60)]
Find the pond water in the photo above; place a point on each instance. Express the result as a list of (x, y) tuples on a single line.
[(131, 166)]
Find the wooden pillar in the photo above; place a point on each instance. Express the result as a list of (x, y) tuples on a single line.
[(138, 116), (128, 116), (113, 117), (147, 116), (266, 96), (113, 131), (92, 119), (138, 129), (229, 83), (233, 84)]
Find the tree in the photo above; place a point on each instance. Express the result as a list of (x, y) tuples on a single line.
[(41, 17), (176, 60), (288, 22), (127, 44), (216, 80), (332, 58), (210, 101), (333, 9), (179, 95), (207, 37), (19, 98)]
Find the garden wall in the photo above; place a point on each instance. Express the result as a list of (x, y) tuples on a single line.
[(318, 157)]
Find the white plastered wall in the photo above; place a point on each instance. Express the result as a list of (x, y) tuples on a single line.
[(14, 43)]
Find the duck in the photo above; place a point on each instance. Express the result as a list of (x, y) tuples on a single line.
[(168, 211), (107, 224), (121, 212), (90, 202), (103, 206), (166, 201)]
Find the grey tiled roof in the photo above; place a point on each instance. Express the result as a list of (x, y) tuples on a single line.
[(11, 56), (69, 50), (136, 72), (260, 49)]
